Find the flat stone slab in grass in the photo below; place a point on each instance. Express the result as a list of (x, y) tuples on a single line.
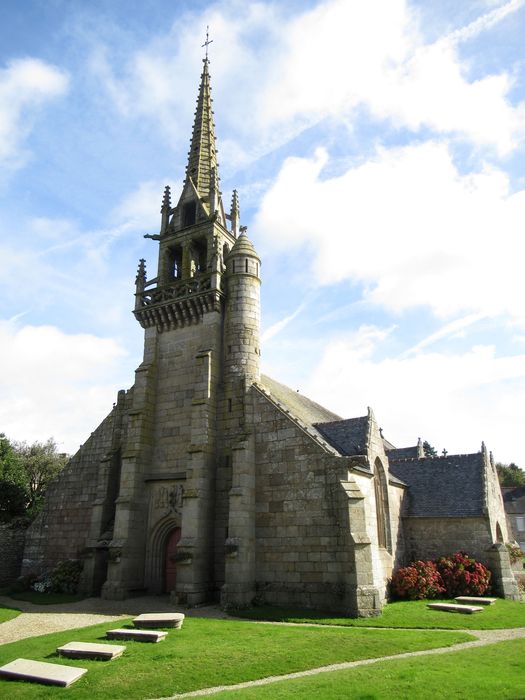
[(452, 607), (87, 650), (472, 600), (147, 620), (137, 635), (41, 672)]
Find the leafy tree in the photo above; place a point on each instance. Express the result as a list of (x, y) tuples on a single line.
[(429, 450), (510, 474), (13, 491), (41, 464), (25, 473)]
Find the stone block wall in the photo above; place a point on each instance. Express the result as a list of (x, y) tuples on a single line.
[(11, 552), (300, 559), (61, 529), (428, 538)]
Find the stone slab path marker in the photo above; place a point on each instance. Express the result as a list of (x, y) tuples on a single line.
[(472, 600), (41, 672), (147, 620), (87, 650), (137, 635), (452, 607)]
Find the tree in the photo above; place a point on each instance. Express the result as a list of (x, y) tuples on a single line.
[(14, 497), (429, 450), (510, 474), (41, 464), (25, 473)]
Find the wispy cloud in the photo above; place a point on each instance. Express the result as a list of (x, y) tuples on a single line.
[(448, 329), (25, 86)]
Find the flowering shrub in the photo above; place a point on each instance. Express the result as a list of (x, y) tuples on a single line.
[(419, 580), (463, 575), (64, 578)]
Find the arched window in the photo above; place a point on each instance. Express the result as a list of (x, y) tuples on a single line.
[(382, 509)]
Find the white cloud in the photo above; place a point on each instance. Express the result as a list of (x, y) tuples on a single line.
[(289, 72), (408, 225), (339, 56), (453, 400), (55, 384), (25, 85)]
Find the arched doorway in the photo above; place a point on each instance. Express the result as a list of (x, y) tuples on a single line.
[(170, 560)]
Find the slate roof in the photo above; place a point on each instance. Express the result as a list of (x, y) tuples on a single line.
[(301, 407), (402, 452), (348, 436), (449, 486), (514, 499)]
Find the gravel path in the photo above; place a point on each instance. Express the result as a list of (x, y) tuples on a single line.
[(91, 611), (33, 622)]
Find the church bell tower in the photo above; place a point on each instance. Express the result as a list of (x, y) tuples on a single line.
[(200, 315)]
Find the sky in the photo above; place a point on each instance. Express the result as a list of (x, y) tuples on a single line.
[(378, 150)]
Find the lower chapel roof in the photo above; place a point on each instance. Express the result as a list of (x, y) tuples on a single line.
[(451, 486)]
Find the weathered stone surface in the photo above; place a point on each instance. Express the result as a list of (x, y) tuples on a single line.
[(137, 635), (87, 650), (451, 607), (152, 620), (41, 672), (472, 600)]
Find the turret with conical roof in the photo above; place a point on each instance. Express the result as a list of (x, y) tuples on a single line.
[(243, 311)]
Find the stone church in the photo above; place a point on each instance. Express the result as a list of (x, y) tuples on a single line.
[(214, 482)]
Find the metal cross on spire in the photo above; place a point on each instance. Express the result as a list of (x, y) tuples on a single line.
[(207, 42)]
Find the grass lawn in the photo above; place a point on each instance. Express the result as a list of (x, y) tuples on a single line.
[(494, 671), (8, 614), (504, 614), (46, 598), (207, 653)]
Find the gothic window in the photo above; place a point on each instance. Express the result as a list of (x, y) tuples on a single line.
[(189, 213), (382, 510)]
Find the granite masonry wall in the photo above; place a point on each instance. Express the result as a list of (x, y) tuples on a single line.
[(428, 538), (61, 529), (11, 551), (300, 555)]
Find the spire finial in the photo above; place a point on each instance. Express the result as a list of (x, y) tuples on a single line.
[(207, 42)]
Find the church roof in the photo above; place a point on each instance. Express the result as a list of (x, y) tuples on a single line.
[(451, 486), (202, 158), (402, 452), (301, 407), (349, 436)]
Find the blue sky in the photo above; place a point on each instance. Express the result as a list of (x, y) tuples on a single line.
[(378, 150)]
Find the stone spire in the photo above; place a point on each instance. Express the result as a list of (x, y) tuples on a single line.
[(202, 157)]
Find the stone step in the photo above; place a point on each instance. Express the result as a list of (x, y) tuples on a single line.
[(472, 600), (87, 650), (41, 672), (137, 635), (452, 607), (147, 620)]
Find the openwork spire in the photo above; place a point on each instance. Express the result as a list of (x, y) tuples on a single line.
[(202, 158)]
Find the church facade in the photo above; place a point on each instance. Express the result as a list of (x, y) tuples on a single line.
[(214, 482)]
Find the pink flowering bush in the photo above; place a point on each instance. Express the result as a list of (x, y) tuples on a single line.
[(463, 575), (419, 580)]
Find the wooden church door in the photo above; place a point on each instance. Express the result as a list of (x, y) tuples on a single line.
[(171, 563)]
